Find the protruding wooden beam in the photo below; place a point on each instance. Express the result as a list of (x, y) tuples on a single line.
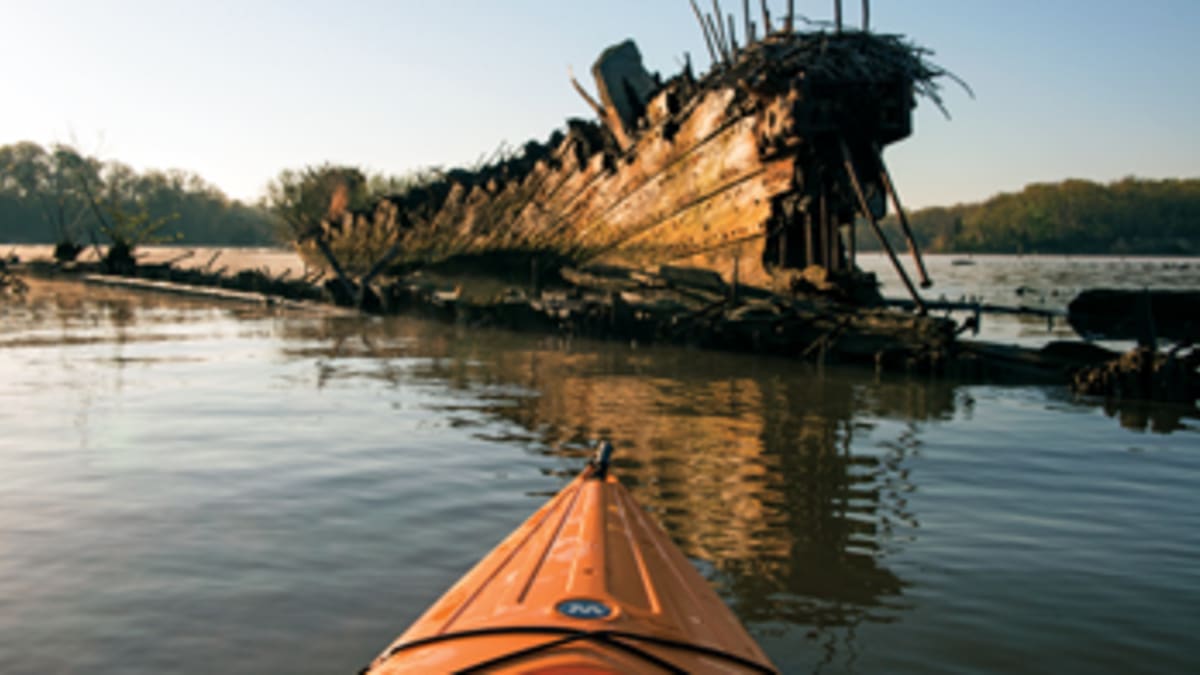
[(837, 14), (766, 16), (789, 24), (885, 177), (848, 161), (866, 17), (712, 52), (721, 37), (595, 106), (343, 279), (386, 259), (852, 235), (720, 46), (733, 44), (747, 22)]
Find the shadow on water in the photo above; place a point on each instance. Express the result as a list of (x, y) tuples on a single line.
[(776, 477)]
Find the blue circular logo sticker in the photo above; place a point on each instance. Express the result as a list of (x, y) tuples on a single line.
[(584, 609)]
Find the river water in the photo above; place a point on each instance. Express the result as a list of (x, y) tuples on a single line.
[(197, 488)]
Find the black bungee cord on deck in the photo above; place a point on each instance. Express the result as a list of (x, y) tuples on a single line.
[(563, 636), (612, 638)]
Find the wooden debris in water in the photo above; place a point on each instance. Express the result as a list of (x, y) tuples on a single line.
[(1145, 315), (1145, 374), (11, 285)]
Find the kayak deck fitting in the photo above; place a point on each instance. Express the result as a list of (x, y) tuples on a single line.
[(588, 584)]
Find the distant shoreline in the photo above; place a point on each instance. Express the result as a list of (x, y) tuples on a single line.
[(274, 260), (278, 259)]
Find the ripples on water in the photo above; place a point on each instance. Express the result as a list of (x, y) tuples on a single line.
[(186, 488)]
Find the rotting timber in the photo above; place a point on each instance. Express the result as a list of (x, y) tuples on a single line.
[(716, 210), (756, 171)]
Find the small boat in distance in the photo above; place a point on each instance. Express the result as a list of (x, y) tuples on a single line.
[(589, 584)]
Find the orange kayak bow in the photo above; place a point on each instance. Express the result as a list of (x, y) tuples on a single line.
[(589, 585)]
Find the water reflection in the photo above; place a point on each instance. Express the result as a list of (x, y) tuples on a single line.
[(58, 313), (243, 459), (747, 462)]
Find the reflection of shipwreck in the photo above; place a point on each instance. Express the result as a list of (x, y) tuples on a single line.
[(756, 170), (765, 472)]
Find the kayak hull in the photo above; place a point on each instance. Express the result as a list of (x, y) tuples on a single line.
[(588, 584)]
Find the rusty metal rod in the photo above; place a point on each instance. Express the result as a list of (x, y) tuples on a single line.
[(704, 28), (885, 177), (848, 160)]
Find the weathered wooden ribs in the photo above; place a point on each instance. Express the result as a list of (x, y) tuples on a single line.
[(756, 170)]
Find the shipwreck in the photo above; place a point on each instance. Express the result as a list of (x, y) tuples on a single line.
[(757, 170), (716, 212)]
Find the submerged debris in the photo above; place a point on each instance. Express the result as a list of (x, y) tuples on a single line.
[(1145, 374), (11, 285), (1146, 315)]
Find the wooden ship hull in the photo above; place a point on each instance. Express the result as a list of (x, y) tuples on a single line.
[(756, 171)]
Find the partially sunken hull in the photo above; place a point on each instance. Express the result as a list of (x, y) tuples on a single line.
[(751, 171)]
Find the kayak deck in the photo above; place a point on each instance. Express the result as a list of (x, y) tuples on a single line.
[(588, 584)]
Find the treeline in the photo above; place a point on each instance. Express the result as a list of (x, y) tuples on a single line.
[(57, 194), (1130, 216)]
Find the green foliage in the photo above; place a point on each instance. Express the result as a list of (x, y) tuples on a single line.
[(34, 180), (301, 199), (1130, 216), (130, 228), (42, 200)]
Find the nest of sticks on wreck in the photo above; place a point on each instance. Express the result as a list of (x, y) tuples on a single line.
[(851, 57)]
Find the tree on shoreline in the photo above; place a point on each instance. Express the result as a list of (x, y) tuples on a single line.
[(48, 178), (41, 201), (121, 215), (1129, 216)]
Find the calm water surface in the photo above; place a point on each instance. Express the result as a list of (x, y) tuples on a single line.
[(195, 489), (1042, 282)]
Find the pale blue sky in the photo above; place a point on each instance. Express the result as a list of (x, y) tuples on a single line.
[(237, 90)]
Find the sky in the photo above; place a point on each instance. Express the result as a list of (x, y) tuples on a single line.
[(238, 90)]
